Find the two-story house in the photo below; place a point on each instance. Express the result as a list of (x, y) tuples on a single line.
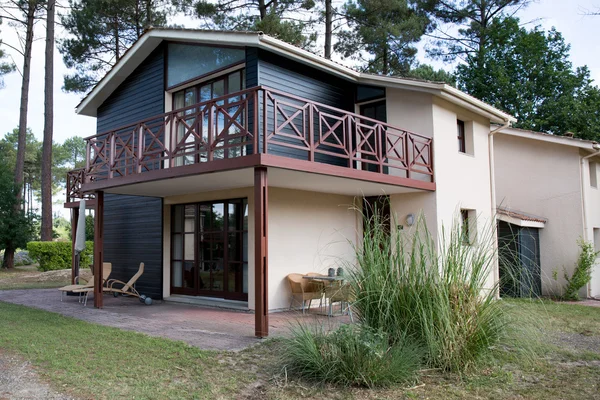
[(227, 160)]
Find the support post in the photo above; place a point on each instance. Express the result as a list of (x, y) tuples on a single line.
[(74, 264), (98, 249), (261, 252)]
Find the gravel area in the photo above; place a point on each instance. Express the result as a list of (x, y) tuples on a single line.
[(18, 380)]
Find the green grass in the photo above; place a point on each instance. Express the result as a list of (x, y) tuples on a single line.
[(93, 361), (96, 362)]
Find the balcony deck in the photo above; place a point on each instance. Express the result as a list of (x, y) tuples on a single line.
[(255, 127)]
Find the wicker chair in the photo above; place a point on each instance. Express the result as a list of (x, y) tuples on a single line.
[(304, 289), (342, 293)]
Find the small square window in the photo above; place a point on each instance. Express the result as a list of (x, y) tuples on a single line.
[(460, 133), (593, 174)]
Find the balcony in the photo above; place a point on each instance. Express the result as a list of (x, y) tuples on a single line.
[(255, 127)]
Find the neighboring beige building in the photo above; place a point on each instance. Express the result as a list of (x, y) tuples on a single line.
[(549, 185)]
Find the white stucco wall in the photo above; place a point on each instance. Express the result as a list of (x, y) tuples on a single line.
[(543, 179), (308, 232), (592, 202)]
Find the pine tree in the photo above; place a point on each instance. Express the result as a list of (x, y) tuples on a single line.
[(5, 66), (386, 30), (100, 31), (277, 18), (46, 233)]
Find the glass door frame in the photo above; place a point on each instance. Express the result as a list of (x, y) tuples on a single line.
[(241, 231)]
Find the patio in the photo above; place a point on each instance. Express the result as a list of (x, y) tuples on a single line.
[(204, 327)]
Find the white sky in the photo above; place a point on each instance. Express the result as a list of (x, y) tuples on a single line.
[(581, 31)]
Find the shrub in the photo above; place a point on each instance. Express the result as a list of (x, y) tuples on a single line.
[(583, 270), (57, 255), (351, 355), (22, 258), (405, 288)]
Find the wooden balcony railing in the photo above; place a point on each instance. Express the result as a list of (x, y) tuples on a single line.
[(258, 120)]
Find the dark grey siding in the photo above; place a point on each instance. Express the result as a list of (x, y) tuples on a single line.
[(133, 224), (133, 234), (309, 83), (142, 95)]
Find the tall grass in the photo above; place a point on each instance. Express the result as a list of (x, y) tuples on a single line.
[(407, 287), (352, 355)]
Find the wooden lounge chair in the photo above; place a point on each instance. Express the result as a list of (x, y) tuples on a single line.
[(117, 287), (106, 270)]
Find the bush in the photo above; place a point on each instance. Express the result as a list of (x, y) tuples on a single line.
[(351, 355), (57, 255), (405, 288), (22, 258), (582, 274)]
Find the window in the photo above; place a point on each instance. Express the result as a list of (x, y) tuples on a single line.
[(209, 249), (597, 239), (186, 62), (593, 174), (460, 131), (221, 127), (468, 226)]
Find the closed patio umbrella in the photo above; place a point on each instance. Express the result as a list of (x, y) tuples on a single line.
[(80, 236)]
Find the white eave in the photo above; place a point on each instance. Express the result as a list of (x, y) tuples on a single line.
[(549, 138), (152, 38)]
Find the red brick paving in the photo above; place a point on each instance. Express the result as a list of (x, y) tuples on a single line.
[(203, 327)]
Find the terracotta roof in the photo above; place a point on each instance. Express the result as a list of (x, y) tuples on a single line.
[(520, 215)]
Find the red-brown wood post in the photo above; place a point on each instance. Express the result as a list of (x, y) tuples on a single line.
[(74, 220), (98, 249), (261, 258)]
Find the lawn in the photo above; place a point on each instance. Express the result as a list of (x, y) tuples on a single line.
[(92, 361)]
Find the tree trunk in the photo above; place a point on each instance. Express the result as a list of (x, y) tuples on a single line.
[(9, 252), (46, 233), (328, 27), (9, 258), (22, 142)]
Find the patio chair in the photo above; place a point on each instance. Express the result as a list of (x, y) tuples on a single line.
[(125, 289), (342, 293), (106, 270), (305, 289)]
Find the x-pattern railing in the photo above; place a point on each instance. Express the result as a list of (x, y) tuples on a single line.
[(253, 121)]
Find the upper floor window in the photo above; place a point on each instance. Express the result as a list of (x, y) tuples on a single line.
[(593, 174), (460, 133), (186, 62)]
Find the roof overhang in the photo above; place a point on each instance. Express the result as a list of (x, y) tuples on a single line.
[(520, 218), (549, 138), (153, 37)]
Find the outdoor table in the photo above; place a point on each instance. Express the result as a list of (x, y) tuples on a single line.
[(325, 278)]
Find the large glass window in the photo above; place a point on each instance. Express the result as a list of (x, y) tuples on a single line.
[(186, 62), (220, 125), (210, 249)]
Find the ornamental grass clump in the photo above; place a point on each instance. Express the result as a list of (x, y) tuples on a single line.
[(352, 355), (441, 298)]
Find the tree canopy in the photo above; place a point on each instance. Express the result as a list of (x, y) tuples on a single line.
[(5, 65), (382, 34), (100, 31), (528, 74), (273, 17)]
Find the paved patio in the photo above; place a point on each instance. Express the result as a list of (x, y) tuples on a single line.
[(204, 327)]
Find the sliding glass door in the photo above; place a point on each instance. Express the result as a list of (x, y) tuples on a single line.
[(209, 249)]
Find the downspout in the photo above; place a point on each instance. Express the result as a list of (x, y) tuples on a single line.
[(596, 147), (505, 125)]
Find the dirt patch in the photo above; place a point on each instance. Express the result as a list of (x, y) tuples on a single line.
[(18, 380), (577, 341), (29, 275)]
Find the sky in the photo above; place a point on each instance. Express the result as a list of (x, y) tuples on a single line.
[(567, 16)]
